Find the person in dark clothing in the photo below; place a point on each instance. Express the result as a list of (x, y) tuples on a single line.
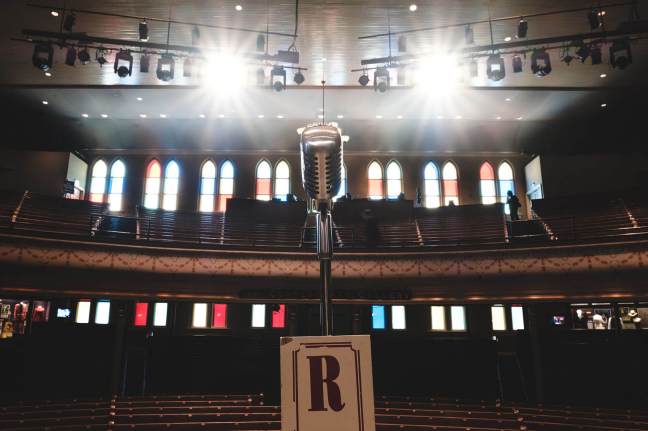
[(513, 204)]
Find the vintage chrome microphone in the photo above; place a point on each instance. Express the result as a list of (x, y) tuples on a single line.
[(321, 160)]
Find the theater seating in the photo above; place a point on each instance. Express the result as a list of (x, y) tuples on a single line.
[(248, 412)]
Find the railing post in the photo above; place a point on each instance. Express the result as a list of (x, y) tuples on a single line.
[(16, 213)]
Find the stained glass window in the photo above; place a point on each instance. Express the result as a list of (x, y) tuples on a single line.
[(394, 180), (450, 184), (375, 175), (225, 184), (263, 181), (98, 181), (282, 181), (207, 186), (152, 185), (506, 184), (432, 189), (487, 184), (171, 183)]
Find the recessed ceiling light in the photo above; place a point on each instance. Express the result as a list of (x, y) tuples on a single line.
[(238, 7), (48, 74), (379, 117), (280, 116), (320, 116), (603, 105), (508, 99), (340, 116), (45, 102), (163, 116), (260, 116), (202, 115), (221, 115), (85, 115), (458, 117), (104, 115), (413, 7), (507, 39), (603, 75), (400, 117), (498, 118), (54, 13), (519, 118), (139, 99), (142, 115)]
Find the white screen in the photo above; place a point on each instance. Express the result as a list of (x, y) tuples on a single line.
[(160, 314), (438, 317), (517, 316), (83, 312), (498, 317), (458, 318), (398, 317), (200, 315), (102, 315), (258, 316)]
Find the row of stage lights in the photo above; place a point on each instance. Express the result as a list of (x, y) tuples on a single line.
[(620, 55)]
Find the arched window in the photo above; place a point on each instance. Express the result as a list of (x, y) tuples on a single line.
[(117, 175), (225, 184), (343, 184), (450, 184), (207, 186), (263, 181), (432, 189), (487, 184), (375, 175), (152, 185), (98, 181), (394, 180), (505, 180), (171, 180), (282, 180)]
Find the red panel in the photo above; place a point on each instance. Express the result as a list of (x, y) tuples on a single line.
[(375, 188), (279, 317), (263, 186), (486, 172), (141, 313), (450, 188), (222, 202), (219, 316)]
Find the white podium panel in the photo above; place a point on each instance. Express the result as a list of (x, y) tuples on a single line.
[(327, 384)]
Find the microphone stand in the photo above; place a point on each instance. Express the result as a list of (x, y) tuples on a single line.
[(324, 255)]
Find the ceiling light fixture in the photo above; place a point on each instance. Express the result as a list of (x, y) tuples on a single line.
[(340, 116), (519, 118), (413, 7), (48, 74), (540, 62), (400, 117), (142, 115), (498, 118), (139, 99), (583, 52), (280, 116), (202, 115), (143, 31), (45, 102), (364, 79), (495, 68), (260, 116), (145, 62), (299, 78), (517, 64), (43, 56), (620, 54), (379, 117), (603, 75), (54, 13), (104, 115), (596, 54), (221, 115), (100, 56), (70, 56), (523, 28), (85, 115), (84, 56), (381, 79), (278, 78), (603, 105), (507, 39), (238, 7), (163, 115), (165, 68), (593, 18), (508, 99), (123, 64)]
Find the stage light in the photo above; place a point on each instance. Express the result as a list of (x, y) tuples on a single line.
[(195, 35), (620, 54), (381, 79), (260, 43), (42, 56), (413, 7), (402, 44), (364, 79), (100, 56), (495, 69), (48, 74), (583, 52), (238, 7), (540, 63), (517, 64), (473, 68), (70, 56), (469, 35), (54, 13), (123, 64), (68, 23), (260, 76), (145, 62), (299, 78), (567, 58), (186, 68), (143, 31), (596, 54), (84, 56), (224, 74), (523, 28), (593, 18), (278, 78), (437, 74), (165, 68)]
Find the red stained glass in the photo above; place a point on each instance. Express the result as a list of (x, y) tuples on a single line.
[(450, 188), (486, 172), (154, 170), (375, 188), (279, 317), (222, 202), (263, 186), (141, 313), (219, 316)]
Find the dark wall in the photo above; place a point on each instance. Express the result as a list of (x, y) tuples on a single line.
[(37, 171)]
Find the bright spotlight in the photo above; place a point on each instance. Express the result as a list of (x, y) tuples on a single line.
[(84, 56), (223, 74), (438, 73), (495, 68), (42, 57), (381, 79), (123, 64), (278, 78), (165, 68), (540, 62), (620, 54), (363, 80), (299, 78)]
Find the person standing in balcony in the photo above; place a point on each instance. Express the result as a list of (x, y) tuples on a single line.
[(514, 204)]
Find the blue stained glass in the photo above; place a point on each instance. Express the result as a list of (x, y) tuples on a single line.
[(378, 316)]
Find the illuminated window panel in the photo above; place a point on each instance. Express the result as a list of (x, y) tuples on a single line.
[(117, 175), (263, 181), (517, 317), (343, 184), (171, 183), (258, 315), (282, 181), (160, 314), (83, 312), (498, 318), (98, 181), (152, 185), (199, 319), (219, 316), (437, 315), (102, 313), (378, 316), (279, 317), (506, 184), (394, 180), (225, 185), (457, 318), (398, 317), (375, 175), (450, 184), (487, 184), (141, 313), (207, 186), (432, 186)]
